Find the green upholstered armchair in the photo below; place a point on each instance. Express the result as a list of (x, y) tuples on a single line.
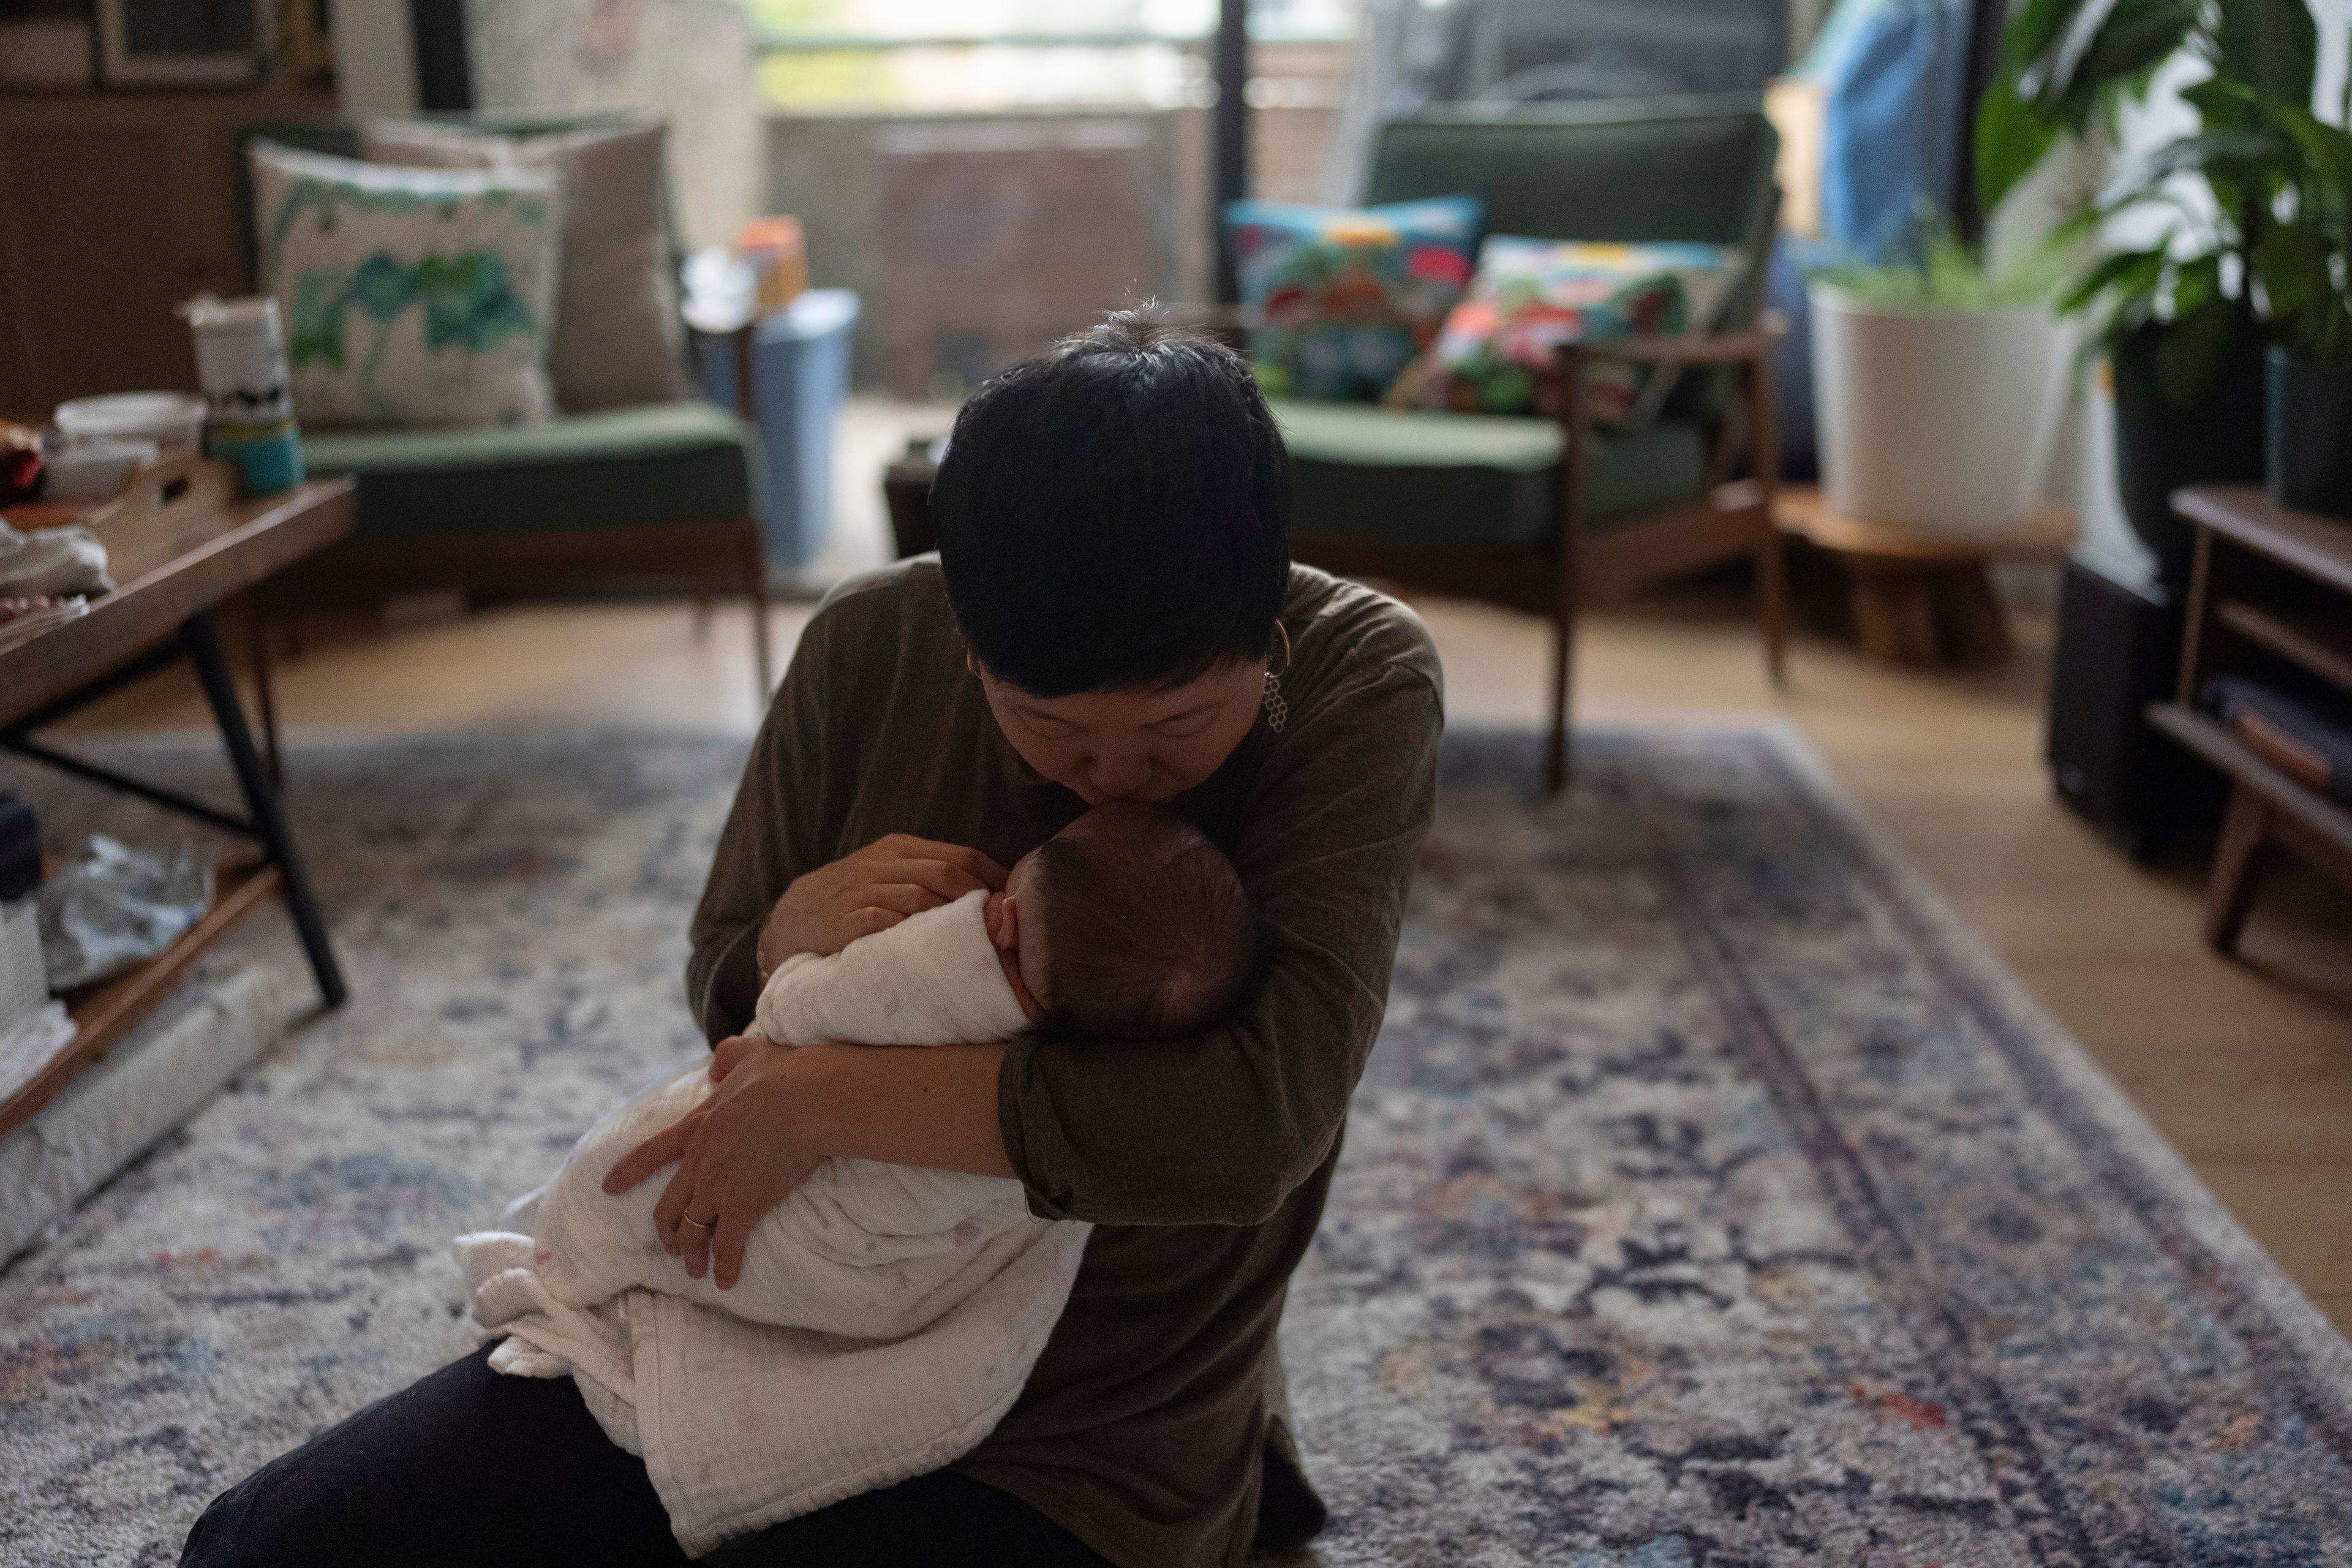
[(659, 494), (1545, 515)]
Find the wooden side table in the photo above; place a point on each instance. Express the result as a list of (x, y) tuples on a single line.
[(179, 544), (1919, 598)]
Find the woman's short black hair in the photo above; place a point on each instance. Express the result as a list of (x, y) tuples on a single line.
[(1114, 515)]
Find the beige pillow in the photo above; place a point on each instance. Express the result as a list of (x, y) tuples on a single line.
[(618, 338)]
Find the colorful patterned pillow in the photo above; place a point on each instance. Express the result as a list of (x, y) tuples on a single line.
[(410, 296), (1348, 296), (1495, 353)]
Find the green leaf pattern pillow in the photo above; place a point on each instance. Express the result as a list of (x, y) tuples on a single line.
[(410, 296)]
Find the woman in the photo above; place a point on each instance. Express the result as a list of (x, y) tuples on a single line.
[(1112, 616)]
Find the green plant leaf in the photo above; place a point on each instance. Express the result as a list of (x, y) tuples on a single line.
[(2035, 31), (2010, 139), (2293, 262), (2272, 44), (2195, 282), (2200, 151), (2325, 149), (2130, 271), (2133, 36), (2224, 103)]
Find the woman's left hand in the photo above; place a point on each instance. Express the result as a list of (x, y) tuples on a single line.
[(738, 1154)]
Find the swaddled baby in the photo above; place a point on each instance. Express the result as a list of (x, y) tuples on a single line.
[(1127, 923), (885, 1317)]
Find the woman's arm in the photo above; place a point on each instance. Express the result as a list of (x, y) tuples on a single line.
[(775, 888), (1221, 1126), (773, 836), (778, 1114)]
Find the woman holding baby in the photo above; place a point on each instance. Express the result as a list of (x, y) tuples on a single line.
[(1113, 616)]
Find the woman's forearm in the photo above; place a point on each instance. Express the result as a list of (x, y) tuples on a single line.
[(931, 1105)]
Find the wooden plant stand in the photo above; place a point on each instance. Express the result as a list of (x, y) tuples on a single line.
[(1920, 598)]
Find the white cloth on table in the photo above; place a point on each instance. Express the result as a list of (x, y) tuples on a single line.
[(65, 559), (885, 1318)]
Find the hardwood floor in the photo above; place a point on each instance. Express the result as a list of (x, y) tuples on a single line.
[(2246, 1066)]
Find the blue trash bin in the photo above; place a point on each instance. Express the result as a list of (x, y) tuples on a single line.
[(801, 363)]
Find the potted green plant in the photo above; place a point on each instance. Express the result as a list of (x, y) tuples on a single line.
[(2181, 320), (2304, 267), (1939, 386)]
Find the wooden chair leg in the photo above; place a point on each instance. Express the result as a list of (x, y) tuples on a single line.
[(1568, 584), (1771, 564), (1556, 759), (1772, 603), (759, 651), (2238, 862)]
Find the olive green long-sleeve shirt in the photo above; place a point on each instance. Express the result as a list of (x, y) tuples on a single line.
[(1203, 1162)]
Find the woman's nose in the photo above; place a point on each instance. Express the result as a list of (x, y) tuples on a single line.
[(1120, 778)]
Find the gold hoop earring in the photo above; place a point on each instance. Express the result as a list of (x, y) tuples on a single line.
[(1277, 707)]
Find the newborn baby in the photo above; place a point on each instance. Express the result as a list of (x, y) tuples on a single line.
[(1128, 923)]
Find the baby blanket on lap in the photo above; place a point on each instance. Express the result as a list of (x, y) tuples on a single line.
[(885, 1317)]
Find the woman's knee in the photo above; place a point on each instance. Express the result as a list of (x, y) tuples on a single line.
[(250, 1526)]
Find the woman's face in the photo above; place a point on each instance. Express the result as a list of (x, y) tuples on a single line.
[(1131, 745)]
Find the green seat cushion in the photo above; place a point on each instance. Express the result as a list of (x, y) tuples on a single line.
[(1471, 479), (659, 462)]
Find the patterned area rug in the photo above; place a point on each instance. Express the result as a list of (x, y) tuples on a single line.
[(1712, 1199)]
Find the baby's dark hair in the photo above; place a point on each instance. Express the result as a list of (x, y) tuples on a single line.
[(1147, 930)]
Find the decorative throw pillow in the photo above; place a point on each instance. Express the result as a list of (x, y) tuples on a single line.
[(410, 296), (617, 339), (1495, 353), (1348, 297)]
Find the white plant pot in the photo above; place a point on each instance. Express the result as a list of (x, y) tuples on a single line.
[(1937, 421)]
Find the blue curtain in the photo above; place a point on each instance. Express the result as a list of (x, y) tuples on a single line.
[(1892, 72)]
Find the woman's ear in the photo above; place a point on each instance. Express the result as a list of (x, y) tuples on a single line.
[(1003, 916)]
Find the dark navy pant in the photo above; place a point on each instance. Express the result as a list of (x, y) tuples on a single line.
[(466, 1465)]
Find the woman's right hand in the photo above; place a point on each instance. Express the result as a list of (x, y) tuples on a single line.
[(871, 889)]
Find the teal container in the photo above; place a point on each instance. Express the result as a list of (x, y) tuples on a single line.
[(269, 458)]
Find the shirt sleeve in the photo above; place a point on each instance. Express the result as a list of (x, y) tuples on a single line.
[(774, 834), (1220, 1128)]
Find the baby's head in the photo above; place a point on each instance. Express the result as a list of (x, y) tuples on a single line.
[(1127, 925)]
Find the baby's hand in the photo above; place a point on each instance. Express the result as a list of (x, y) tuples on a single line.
[(733, 1050)]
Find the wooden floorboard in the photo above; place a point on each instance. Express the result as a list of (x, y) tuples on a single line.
[(2246, 1066)]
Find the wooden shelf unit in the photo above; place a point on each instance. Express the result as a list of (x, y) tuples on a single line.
[(104, 1013), (2324, 650), (2271, 587)]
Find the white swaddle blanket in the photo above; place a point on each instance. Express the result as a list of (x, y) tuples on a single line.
[(885, 1317)]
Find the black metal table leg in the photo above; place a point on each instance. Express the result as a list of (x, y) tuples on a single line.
[(204, 647)]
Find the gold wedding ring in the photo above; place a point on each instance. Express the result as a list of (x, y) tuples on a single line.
[(696, 1224)]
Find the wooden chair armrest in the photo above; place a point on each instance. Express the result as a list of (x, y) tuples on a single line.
[(1699, 348)]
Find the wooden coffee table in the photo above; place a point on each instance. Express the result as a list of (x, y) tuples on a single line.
[(179, 546), (1922, 598)]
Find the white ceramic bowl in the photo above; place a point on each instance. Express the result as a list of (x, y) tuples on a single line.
[(174, 421), (96, 470)]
